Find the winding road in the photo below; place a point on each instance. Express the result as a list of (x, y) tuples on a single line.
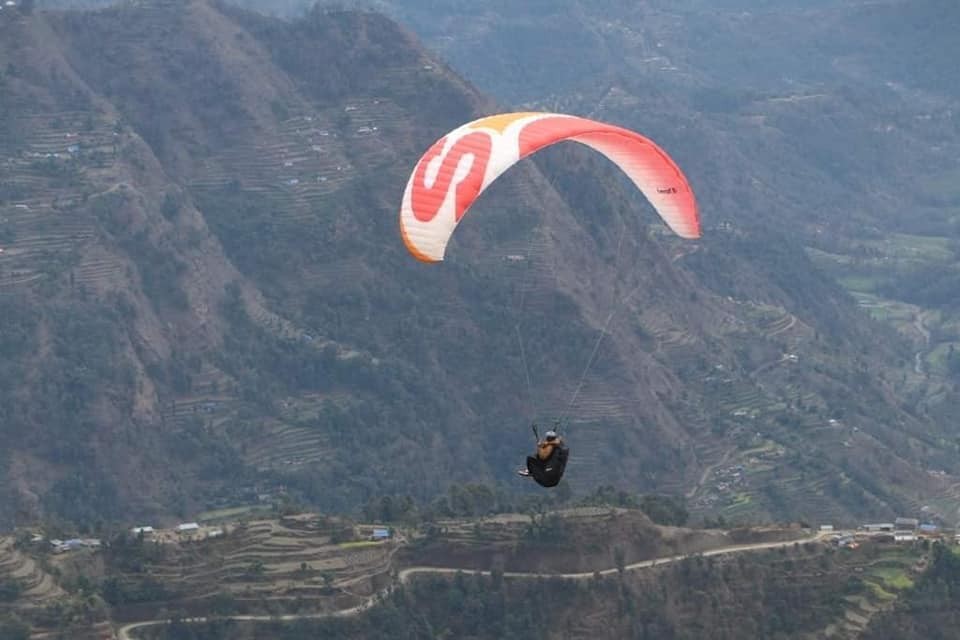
[(404, 575)]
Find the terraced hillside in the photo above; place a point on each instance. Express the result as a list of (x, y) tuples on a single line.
[(40, 606), (806, 590), (208, 299), (300, 568), (37, 587), (569, 540), (846, 147), (298, 563), (292, 564)]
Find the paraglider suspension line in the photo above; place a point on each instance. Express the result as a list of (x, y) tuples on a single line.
[(526, 370), (593, 355), (586, 369), (527, 278)]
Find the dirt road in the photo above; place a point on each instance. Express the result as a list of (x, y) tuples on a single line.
[(126, 632)]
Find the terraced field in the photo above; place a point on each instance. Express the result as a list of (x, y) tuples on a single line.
[(39, 587), (884, 579), (293, 565), (271, 559), (257, 563), (282, 446), (312, 155), (47, 172)]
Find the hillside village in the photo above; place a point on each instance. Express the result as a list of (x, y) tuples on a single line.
[(901, 530), (325, 565), (193, 532)]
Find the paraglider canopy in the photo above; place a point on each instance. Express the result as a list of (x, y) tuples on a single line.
[(459, 166)]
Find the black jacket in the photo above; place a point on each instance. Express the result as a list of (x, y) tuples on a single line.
[(548, 472)]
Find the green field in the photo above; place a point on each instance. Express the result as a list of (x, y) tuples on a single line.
[(859, 283), (827, 260), (937, 357), (893, 576), (879, 592), (922, 247), (892, 310)]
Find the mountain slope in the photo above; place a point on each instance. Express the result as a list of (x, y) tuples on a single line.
[(210, 300), (830, 123)]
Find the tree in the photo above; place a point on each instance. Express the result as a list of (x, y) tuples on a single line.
[(10, 590), (255, 569), (327, 577), (13, 628), (619, 559), (665, 510), (170, 207)]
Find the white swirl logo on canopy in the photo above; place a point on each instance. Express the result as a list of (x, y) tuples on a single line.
[(458, 167)]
